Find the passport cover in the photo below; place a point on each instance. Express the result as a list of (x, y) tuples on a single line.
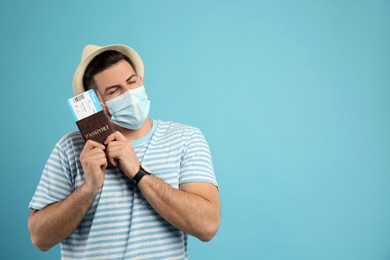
[(96, 127)]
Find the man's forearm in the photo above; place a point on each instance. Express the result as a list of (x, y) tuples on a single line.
[(57, 221), (186, 211)]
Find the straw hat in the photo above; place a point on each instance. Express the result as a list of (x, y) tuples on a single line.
[(91, 51)]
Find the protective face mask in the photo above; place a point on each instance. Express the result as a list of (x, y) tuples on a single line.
[(130, 109)]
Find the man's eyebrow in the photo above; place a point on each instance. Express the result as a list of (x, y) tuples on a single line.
[(110, 87), (116, 86), (134, 75)]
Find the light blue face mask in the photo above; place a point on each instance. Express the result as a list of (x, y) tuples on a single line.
[(130, 109)]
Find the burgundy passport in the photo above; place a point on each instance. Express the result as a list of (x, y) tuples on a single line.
[(96, 127)]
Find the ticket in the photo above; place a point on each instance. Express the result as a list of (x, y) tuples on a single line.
[(84, 105)]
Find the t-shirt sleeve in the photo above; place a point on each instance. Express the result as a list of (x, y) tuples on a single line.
[(196, 164), (55, 184)]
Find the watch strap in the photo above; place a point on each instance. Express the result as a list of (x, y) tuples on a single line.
[(139, 175)]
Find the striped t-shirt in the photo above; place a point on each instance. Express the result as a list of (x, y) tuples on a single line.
[(121, 224)]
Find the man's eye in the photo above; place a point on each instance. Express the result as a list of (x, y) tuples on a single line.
[(111, 91)]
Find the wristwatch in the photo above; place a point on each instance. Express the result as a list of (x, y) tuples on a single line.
[(139, 175)]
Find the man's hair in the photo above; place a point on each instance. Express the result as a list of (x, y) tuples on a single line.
[(101, 62)]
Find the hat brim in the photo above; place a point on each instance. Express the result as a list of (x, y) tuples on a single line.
[(78, 87)]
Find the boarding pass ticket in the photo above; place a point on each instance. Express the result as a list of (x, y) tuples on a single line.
[(84, 105)]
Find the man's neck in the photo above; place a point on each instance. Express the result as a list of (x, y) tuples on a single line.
[(131, 134)]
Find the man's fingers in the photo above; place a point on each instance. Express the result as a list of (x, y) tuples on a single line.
[(95, 156), (116, 136), (90, 144), (115, 152), (91, 147), (113, 160)]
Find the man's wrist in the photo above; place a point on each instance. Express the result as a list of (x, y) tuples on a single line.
[(89, 190), (139, 175)]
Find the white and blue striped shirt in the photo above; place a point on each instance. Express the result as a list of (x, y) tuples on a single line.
[(121, 224)]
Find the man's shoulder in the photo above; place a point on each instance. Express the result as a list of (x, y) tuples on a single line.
[(70, 140), (171, 127)]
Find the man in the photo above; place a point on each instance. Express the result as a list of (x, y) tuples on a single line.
[(137, 195)]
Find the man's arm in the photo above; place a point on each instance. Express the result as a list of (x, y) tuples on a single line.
[(57, 221), (194, 209)]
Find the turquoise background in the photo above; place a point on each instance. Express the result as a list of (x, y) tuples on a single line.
[(292, 96)]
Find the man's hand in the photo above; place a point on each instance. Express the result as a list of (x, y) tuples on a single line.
[(121, 153), (94, 162)]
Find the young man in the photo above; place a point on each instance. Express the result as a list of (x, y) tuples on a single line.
[(139, 194)]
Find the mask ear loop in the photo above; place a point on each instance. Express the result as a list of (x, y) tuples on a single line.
[(96, 92), (105, 112)]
